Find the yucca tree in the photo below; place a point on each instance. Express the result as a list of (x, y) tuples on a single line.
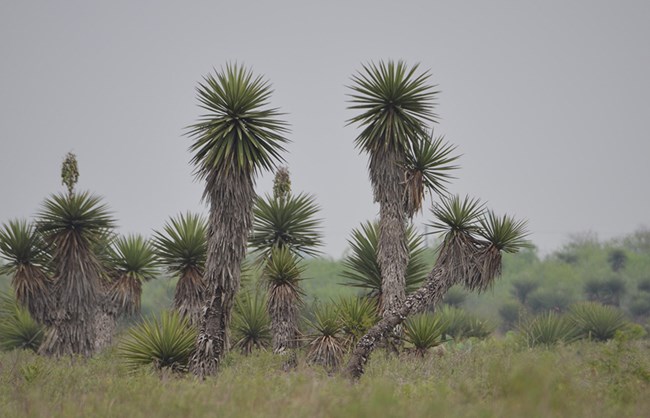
[(470, 254), (72, 225), (251, 324), (394, 103), (282, 275), (237, 136), (361, 267), (182, 248), (26, 259), (326, 343)]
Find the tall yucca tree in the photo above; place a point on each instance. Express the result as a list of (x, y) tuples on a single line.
[(237, 136), (470, 254), (182, 248), (26, 259), (395, 103), (361, 268), (72, 225)]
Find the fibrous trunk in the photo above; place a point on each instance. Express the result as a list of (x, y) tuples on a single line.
[(231, 197), (283, 312), (75, 297), (189, 295), (387, 176), (33, 291)]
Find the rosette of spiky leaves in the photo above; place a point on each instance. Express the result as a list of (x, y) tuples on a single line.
[(326, 343), (165, 342), (597, 322), (73, 225), (282, 274), (457, 219), (357, 315), (424, 331), (251, 323), (428, 166), (24, 250), (361, 267), (182, 248), (18, 330), (134, 262), (502, 234), (547, 329), (238, 131), (286, 222), (462, 324), (395, 104)]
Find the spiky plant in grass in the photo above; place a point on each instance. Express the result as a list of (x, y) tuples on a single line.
[(18, 330), (326, 343), (182, 248), (282, 277), (72, 225), (237, 136), (165, 343), (24, 250), (423, 332), (468, 255), (288, 221), (428, 167), (461, 324), (361, 267), (134, 262), (547, 329), (251, 323), (357, 315), (597, 322), (394, 103)]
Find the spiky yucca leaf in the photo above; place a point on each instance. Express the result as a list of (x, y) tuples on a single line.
[(286, 222), (505, 233), (18, 330), (81, 214), (596, 321), (547, 329), (182, 243), (326, 343), (357, 315), (238, 132), (428, 165), (455, 214), (361, 267), (251, 323), (394, 102), (424, 331), (134, 261), (165, 342)]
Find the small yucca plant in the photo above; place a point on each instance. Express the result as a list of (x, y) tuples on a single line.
[(461, 324), (165, 342), (18, 330), (424, 331), (251, 323), (547, 329), (357, 315), (597, 322), (326, 344)]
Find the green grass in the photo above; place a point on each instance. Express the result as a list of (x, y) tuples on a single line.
[(495, 378)]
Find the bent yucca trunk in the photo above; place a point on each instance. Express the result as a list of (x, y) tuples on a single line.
[(231, 198)]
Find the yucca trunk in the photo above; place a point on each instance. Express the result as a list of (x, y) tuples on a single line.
[(189, 295), (33, 291), (387, 176), (76, 297), (231, 195), (284, 314)]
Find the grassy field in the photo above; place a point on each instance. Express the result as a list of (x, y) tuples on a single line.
[(493, 378)]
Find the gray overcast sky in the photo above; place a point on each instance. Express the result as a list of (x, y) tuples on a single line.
[(548, 102)]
